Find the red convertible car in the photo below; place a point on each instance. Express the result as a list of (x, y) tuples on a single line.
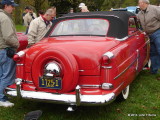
[(84, 59)]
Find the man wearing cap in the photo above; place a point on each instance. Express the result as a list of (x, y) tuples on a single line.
[(81, 4), (26, 10), (84, 9), (8, 43), (28, 18)]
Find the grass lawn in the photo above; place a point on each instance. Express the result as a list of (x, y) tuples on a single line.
[(143, 104), (20, 28)]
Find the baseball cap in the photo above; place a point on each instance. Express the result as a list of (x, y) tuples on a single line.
[(81, 4), (27, 7), (9, 2)]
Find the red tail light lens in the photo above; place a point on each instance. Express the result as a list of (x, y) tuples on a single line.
[(105, 60), (16, 58), (107, 57)]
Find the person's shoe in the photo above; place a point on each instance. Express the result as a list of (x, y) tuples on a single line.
[(5, 98), (6, 104)]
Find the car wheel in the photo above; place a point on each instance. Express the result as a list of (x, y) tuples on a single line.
[(124, 94), (62, 58)]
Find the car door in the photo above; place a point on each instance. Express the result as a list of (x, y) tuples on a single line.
[(142, 43)]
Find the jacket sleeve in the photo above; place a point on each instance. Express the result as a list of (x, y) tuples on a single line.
[(25, 18), (34, 14), (9, 33), (158, 12), (32, 33)]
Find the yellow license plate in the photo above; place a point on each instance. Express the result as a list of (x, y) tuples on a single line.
[(50, 83)]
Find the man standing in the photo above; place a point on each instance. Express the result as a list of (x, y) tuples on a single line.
[(40, 26), (81, 4), (149, 17), (84, 9), (28, 18), (71, 10), (24, 13), (8, 41)]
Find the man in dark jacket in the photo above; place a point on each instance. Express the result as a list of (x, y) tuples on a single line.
[(8, 44)]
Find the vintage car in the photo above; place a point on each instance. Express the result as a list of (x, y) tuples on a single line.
[(85, 59), (133, 9)]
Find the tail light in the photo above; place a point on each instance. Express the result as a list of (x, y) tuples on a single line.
[(106, 60), (17, 57), (107, 86), (107, 57)]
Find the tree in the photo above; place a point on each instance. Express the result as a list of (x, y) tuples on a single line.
[(17, 13), (63, 6), (38, 4)]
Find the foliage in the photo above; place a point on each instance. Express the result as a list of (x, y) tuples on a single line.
[(20, 28), (35, 4), (38, 4), (63, 6)]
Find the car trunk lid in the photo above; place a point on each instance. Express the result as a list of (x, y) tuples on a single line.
[(88, 51)]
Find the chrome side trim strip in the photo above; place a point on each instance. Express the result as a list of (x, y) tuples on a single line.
[(126, 69), (90, 86), (107, 67), (27, 81), (22, 80), (122, 39), (81, 70), (19, 64), (65, 98), (137, 60)]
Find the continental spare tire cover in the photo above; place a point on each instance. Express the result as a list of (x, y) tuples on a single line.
[(68, 65)]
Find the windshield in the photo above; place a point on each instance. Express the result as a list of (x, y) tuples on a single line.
[(81, 27)]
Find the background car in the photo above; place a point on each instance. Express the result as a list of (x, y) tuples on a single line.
[(85, 59), (133, 9)]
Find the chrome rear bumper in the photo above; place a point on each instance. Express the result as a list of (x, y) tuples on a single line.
[(65, 98)]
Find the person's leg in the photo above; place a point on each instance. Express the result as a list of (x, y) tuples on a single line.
[(153, 57), (2, 62), (155, 51), (157, 45), (7, 68)]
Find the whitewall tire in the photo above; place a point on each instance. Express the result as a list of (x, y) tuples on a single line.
[(124, 94)]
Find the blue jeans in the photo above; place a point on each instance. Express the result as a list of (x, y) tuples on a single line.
[(155, 51), (7, 72)]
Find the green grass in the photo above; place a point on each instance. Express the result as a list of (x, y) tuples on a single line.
[(143, 104), (20, 28)]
